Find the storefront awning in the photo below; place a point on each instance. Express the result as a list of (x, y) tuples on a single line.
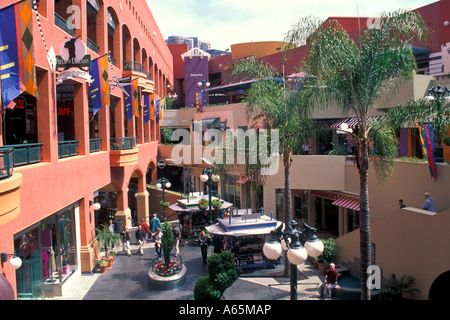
[(347, 202), (353, 122)]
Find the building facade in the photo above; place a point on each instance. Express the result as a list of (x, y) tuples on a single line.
[(325, 189), (60, 155)]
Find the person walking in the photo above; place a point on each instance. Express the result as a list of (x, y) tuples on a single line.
[(155, 224), (401, 204), (204, 241), (176, 239), (145, 229), (125, 236), (140, 234), (158, 238), (428, 204)]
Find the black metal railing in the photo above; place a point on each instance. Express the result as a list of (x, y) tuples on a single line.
[(123, 143), (6, 162), (67, 148), (24, 154), (92, 45), (95, 145), (61, 23)]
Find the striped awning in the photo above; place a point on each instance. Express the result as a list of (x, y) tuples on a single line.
[(347, 202), (353, 122)]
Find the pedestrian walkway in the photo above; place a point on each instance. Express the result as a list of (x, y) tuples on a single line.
[(128, 280)]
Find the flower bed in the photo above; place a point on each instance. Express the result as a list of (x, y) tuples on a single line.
[(164, 270)]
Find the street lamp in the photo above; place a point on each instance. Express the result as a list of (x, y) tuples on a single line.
[(441, 94), (208, 175), (203, 83), (163, 183), (299, 244)]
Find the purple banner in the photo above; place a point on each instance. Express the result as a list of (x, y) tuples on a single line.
[(196, 69)]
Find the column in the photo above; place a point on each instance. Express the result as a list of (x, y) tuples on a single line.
[(142, 202)]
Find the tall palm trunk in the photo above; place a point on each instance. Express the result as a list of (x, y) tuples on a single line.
[(364, 216), (287, 200)]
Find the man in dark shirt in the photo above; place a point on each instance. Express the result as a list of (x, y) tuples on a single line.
[(140, 235), (330, 281)]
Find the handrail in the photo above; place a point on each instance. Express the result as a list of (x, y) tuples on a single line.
[(6, 162), (67, 148), (133, 65), (27, 153), (123, 143), (136, 66), (62, 24), (95, 145)]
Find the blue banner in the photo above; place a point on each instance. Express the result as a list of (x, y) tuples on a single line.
[(146, 108)]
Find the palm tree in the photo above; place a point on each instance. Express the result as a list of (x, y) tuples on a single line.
[(355, 76), (280, 108)]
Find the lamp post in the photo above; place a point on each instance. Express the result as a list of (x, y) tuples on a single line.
[(299, 244), (441, 94), (163, 183), (203, 83), (208, 176)]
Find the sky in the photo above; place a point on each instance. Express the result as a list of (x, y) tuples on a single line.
[(227, 22)]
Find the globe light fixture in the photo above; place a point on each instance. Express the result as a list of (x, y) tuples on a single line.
[(14, 261), (298, 244)]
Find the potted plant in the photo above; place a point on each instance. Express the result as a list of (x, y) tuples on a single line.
[(328, 255), (164, 204), (102, 265), (216, 204), (112, 253), (399, 289), (203, 204), (106, 238)]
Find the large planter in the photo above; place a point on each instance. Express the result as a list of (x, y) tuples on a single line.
[(162, 279), (160, 283), (102, 269)]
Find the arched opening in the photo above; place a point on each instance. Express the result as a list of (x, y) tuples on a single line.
[(113, 35), (439, 288), (136, 188)]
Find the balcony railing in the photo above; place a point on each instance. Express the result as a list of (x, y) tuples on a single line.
[(6, 162), (24, 154), (123, 143), (92, 45), (132, 65), (136, 66), (95, 145), (62, 24), (67, 148)]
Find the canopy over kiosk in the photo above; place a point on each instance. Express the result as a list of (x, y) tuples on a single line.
[(192, 219), (245, 235)]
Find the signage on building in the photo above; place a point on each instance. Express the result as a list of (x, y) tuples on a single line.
[(73, 61)]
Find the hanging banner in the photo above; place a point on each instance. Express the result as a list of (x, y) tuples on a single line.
[(99, 85), (427, 139), (146, 108), (17, 66), (131, 99), (196, 69)]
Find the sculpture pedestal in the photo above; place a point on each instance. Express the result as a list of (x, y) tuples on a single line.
[(167, 283)]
